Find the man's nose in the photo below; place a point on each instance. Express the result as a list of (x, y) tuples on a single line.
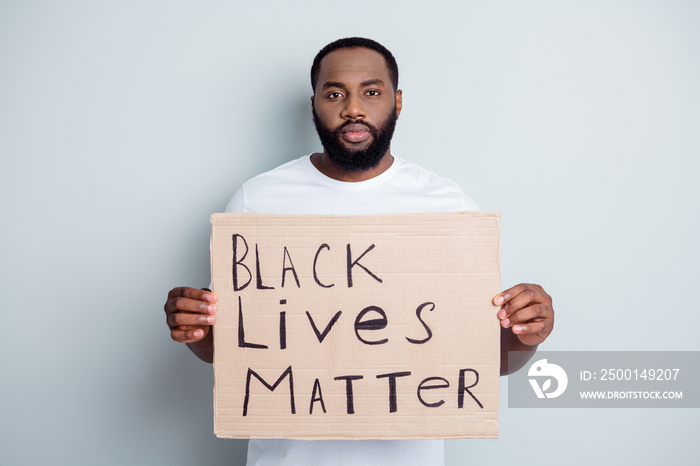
[(354, 107)]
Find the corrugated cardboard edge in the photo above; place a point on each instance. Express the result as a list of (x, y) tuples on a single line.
[(219, 219)]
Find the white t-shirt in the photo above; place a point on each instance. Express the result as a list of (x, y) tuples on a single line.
[(297, 187)]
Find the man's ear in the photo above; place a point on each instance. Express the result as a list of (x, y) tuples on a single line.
[(312, 103), (399, 102)]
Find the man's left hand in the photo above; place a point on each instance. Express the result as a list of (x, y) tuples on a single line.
[(527, 309)]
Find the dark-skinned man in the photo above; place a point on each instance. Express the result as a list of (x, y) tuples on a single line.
[(355, 105)]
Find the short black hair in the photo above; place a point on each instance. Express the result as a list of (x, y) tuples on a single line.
[(352, 42)]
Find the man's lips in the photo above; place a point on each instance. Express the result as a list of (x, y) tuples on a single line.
[(355, 133)]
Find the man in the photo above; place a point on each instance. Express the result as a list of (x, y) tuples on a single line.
[(355, 105)]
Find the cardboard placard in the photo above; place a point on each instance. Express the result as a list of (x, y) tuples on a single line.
[(356, 327)]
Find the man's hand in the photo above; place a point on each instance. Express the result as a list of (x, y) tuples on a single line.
[(527, 319), (190, 313), (527, 310)]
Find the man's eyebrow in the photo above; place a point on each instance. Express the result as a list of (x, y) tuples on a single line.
[(369, 82), (328, 84)]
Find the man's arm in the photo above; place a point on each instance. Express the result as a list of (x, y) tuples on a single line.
[(190, 313), (527, 319)]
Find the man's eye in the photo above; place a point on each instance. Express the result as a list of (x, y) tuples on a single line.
[(334, 95), (373, 93)]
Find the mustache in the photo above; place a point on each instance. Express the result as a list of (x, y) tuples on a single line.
[(372, 130)]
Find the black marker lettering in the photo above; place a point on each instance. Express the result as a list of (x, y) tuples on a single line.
[(423, 386), (291, 267), (258, 274), (392, 387), (251, 372), (241, 330), (320, 248), (463, 388), (348, 390), (419, 309), (373, 324), (237, 262), (351, 264), (283, 330), (322, 335), (314, 398)]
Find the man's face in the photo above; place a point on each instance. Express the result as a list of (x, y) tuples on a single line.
[(355, 108)]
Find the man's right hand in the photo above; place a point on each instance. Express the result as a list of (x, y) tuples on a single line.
[(190, 313)]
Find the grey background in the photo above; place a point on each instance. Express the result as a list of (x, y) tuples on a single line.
[(123, 125)]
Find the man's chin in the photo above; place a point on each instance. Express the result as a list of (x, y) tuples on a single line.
[(353, 163), (356, 146)]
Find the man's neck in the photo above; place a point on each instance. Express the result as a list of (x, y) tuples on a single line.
[(325, 165)]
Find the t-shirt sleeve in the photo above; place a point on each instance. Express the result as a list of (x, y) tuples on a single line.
[(237, 202)]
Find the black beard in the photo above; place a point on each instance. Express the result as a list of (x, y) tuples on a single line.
[(352, 161)]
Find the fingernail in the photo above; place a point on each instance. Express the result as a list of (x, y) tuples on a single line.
[(211, 319), (210, 297), (198, 333), (505, 322), (502, 313), (499, 300), (519, 328), (211, 309)]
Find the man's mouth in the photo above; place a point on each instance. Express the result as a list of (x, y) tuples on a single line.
[(356, 132)]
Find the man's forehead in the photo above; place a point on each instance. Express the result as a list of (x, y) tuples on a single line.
[(353, 64)]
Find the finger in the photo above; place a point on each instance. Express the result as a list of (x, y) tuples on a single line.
[(192, 293), (531, 328), (529, 294), (189, 335), (179, 319), (506, 295), (521, 301), (182, 304), (527, 314)]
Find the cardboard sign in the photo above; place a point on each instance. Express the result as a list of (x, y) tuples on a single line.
[(356, 327)]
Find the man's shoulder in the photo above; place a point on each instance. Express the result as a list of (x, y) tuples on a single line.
[(270, 184), (411, 170), (428, 182), (434, 190), (288, 170)]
